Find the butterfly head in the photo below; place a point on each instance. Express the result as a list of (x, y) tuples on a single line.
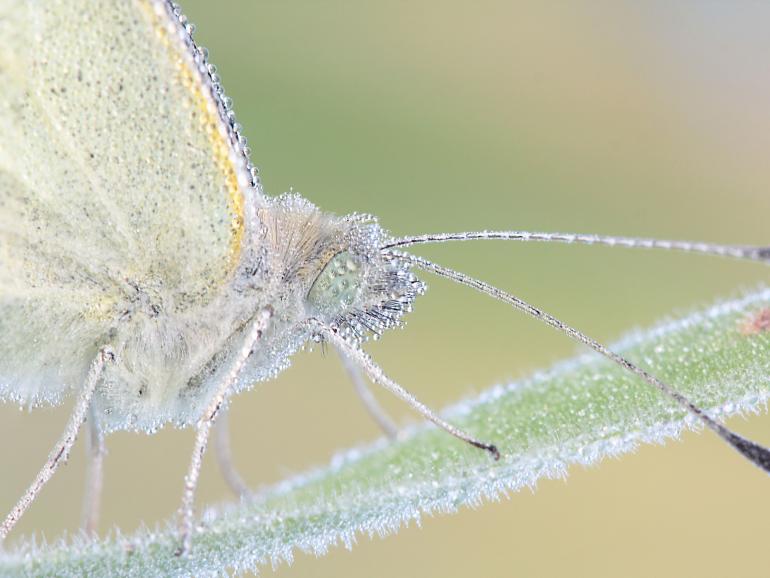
[(338, 268)]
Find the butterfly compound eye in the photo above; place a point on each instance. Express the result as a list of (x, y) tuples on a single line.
[(337, 286)]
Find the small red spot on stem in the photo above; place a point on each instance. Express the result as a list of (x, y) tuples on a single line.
[(758, 322)]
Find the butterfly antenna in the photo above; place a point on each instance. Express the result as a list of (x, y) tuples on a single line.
[(756, 453), (731, 251)]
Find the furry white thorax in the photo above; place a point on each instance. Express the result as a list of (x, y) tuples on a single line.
[(170, 350)]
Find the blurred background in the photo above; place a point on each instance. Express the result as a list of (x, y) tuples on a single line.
[(605, 117)]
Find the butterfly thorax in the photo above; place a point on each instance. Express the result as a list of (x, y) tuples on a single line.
[(306, 265)]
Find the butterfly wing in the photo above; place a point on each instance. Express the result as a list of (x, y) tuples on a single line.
[(119, 161)]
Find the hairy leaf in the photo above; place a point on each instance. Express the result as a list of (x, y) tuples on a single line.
[(578, 412)]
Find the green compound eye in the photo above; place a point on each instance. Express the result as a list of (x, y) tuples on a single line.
[(338, 285)]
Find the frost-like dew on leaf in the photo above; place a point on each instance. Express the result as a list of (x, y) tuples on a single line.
[(578, 412)]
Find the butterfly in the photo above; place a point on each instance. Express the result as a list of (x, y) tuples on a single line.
[(143, 268)]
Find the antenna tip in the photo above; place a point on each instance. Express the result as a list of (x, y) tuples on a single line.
[(763, 253), (757, 454)]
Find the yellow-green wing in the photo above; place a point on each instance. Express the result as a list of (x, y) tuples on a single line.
[(119, 167)]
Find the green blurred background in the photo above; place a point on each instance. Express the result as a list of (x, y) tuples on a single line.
[(608, 117)]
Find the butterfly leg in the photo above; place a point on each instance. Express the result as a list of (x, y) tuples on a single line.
[(225, 456), (62, 448), (92, 496), (186, 513), (222, 446), (386, 424), (377, 375)]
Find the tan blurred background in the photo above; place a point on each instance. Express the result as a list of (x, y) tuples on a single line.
[(608, 117)]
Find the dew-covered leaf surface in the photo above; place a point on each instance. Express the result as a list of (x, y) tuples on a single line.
[(578, 412)]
